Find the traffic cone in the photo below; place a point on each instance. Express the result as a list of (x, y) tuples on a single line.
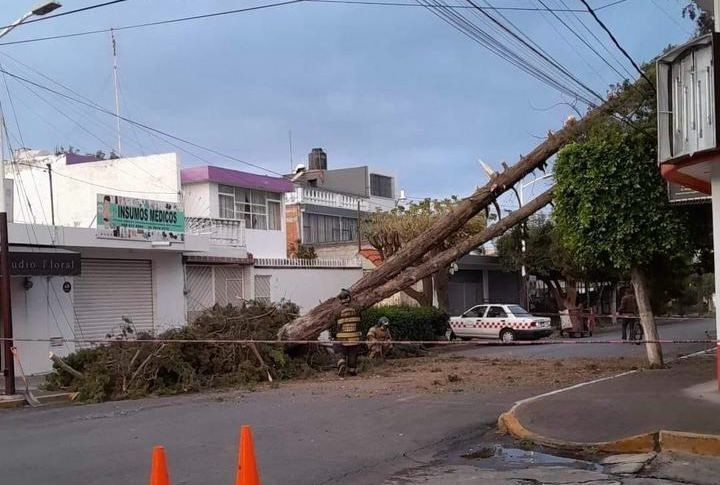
[(158, 468), (247, 472)]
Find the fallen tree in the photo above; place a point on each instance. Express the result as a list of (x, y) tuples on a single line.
[(324, 318)]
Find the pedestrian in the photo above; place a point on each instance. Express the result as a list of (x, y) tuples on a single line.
[(628, 310), (377, 336)]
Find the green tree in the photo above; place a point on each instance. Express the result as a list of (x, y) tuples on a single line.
[(389, 231), (612, 209)]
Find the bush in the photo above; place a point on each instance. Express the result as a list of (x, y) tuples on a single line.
[(408, 323), (129, 368)]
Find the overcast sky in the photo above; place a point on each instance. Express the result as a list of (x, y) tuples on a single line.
[(391, 87)]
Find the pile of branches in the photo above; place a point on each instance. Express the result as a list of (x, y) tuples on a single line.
[(135, 365)]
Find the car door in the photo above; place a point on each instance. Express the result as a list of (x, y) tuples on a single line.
[(470, 323), (495, 320)]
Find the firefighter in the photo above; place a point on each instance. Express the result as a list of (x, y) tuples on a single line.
[(347, 336), (377, 335)]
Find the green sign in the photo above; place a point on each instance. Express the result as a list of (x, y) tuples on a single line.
[(139, 219)]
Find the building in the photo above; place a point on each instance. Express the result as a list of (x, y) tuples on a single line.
[(325, 206), (201, 236), (481, 279)]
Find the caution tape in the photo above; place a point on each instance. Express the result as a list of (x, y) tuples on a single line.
[(488, 343)]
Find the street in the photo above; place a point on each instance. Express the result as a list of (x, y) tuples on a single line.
[(687, 329), (302, 436), (305, 432)]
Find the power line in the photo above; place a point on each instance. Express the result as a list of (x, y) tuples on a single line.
[(259, 7), (160, 22), (615, 41), (137, 123), (67, 12)]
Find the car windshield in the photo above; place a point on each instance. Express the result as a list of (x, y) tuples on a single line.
[(518, 311)]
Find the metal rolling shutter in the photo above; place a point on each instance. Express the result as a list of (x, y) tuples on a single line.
[(107, 291)]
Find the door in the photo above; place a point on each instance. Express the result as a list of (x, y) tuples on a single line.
[(494, 321), (471, 322), (108, 291)]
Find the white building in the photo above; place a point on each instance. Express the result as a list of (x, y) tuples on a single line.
[(232, 249)]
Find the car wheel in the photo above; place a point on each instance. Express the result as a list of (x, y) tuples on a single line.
[(507, 335), (465, 339)]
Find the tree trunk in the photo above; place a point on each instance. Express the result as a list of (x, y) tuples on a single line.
[(428, 289), (323, 316), (647, 319), (419, 296), (442, 281), (557, 293), (570, 301)]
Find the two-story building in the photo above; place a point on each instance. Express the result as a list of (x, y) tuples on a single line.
[(326, 205), (211, 235)]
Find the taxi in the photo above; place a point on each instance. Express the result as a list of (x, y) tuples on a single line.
[(497, 321)]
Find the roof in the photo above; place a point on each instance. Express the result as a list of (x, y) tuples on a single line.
[(236, 178), (372, 255)]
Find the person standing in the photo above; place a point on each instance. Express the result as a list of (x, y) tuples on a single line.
[(628, 311)]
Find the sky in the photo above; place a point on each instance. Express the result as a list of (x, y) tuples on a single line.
[(391, 87)]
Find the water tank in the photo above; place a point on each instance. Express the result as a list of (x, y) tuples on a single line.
[(317, 159)]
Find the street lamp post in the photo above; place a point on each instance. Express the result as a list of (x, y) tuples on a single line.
[(5, 304)]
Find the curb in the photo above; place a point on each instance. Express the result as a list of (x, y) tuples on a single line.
[(18, 400), (663, 440)]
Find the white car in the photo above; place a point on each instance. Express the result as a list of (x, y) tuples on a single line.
[(505, 322)]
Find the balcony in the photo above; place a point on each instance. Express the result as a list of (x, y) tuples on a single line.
[(309, 195), (222, 232)]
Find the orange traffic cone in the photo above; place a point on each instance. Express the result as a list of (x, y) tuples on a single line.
[(247, 472), (158, 469)]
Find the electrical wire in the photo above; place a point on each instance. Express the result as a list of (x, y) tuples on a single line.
[(67, 12), (617, 44), (156, 23), (259, 7), (137, 123)]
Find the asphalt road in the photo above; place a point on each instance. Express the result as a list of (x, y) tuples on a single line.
[(686, 329), (301, 436)]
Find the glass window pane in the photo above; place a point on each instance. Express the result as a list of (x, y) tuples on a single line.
[(227, 207), (226, 189), (258, 197), (274, 216), (381, 186), (259, 222)]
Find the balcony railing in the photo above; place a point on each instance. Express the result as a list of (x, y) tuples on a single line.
[(307, 263), (309, 195), (222, 232)]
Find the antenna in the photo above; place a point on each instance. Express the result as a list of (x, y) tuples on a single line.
[(117, 96), (292, 165)]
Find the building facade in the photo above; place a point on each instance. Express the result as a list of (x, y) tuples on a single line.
[(327, 205)]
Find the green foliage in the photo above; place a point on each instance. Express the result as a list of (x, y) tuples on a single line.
[(305, 251), (611, 207), (129, 368), (407, 322)]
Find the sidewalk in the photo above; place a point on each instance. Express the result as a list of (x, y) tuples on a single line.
[(682, 398)]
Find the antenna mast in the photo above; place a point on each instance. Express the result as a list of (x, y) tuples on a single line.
[(117, 95)]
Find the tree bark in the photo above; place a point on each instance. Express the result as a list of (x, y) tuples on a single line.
[(647, 319), (323, 315), (419, 296), (442, 281)]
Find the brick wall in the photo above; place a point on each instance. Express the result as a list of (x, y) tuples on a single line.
[(292, 225)]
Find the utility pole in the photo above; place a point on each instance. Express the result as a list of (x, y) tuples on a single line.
[(117, 95), (52, 198)]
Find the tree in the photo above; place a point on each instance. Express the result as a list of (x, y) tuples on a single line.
[(544, 257), (612, 210), (322, 316), (389, 231)]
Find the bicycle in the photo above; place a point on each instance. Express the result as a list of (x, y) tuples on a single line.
[(637, 334)]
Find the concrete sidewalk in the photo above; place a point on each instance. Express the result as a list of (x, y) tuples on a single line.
[(682, 398)]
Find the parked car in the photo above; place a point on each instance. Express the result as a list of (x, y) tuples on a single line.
[(505, 322)]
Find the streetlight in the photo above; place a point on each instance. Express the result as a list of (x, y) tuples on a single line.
[(5, 303)]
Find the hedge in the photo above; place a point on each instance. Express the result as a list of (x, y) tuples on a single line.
[(408, 323)]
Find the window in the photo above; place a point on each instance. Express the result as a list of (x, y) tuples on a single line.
[(319, 228), (476, 312), (381, 186), (518, 311), (262, 288), (252, 206), (496, 312), (274, 215)]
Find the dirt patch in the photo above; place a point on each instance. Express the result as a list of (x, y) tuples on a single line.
[(447, 374)]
